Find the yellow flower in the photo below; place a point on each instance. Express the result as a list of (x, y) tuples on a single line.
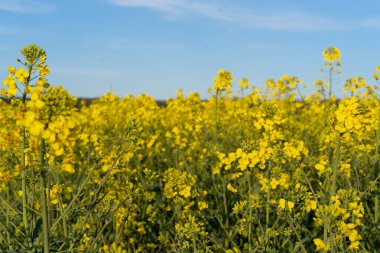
[(55, 190), (331, 54), (12, 90), (282, 204), (349, 123), (43, 59), (321, 245), (21, 75), (46, 134), (68, 168), (244, 83), (57, 148), (12, 70), (353, 235), (185, 192), (354, 245), (376, 76), (36, 128), (202, 205), (231, 188), (319, 167), (223, 81), (310, 205), (234, 250), (44, 70)]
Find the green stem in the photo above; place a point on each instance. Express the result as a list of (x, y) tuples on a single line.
[(376, 209), (335, 167), (47, 178), (217, 114), (268, 197), (300, 93), (225, 203), (291, 223), (68, 208), (2, 249), (64, 221), (330, 84), (23, 163), (23, 177), (250, 214), (374, 165), (45, 221), (333, 189), (325, 229), (194, 245), (8, 215)]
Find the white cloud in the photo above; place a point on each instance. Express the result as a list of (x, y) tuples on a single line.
[(86, 72), (131, 44), (7, 30), (174, 8), (372, 22), (262, 46), (116, 43), (293, 21), (25, 6), (167, 6), (245, 18), (6, 47)]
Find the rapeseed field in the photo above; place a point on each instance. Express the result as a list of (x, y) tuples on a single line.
[(265, 169)]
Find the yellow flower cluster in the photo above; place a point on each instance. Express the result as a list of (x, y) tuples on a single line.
[(354, 83), (242, 159), (344, 214), (321, 166), (286, 204), (271, 184), (223, 81), (331, 54), (354, 116), (376, 74), (178, 183), (295, 151)]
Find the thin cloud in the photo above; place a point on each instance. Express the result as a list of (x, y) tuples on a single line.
[(175, 8), (125, 43), (116, 43), (7, 47), (85, 72), (166, 6), (372, 22), (259, 46), (25, 6), (7, 30), (162, 46), (295, 21)]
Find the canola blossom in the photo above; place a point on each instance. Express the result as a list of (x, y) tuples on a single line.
[(263, 169)]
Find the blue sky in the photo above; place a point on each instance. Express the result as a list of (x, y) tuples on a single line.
[(159, 46)]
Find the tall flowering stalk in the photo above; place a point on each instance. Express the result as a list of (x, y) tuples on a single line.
[(19, 86), (332, 57)]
